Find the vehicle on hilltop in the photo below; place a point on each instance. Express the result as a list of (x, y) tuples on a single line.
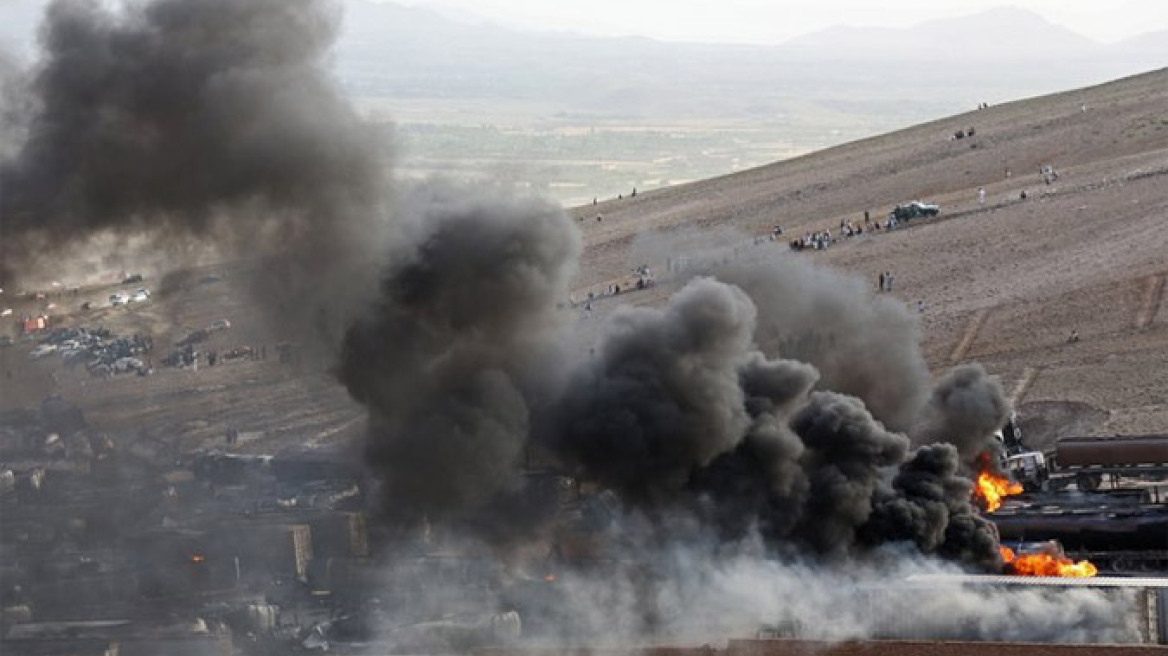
[(913, 209)]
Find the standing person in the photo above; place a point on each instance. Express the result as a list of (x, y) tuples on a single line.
[(981, 196)]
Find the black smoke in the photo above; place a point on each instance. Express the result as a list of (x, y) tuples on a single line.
[(463, 365), (965, 408), (929, 507), (862, 345), (848, 451), (663, 395), (214, 122), (679, 413), (459, 351)]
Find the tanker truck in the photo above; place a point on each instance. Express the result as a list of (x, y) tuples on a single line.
[(1086, 461)]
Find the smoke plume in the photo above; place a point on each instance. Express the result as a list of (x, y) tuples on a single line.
[(965, 408), (212, 121), (462, 362), (663, 395), (703, 595), (861, 345), (748, 440), (459, 350)]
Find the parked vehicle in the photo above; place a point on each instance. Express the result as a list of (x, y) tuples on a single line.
[(913, 209)]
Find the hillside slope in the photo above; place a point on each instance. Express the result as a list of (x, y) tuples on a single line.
[(1004, 283)]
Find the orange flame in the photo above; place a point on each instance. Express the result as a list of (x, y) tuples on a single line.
[(991, 489), (1046, 565), (550, 578), (198, 558)]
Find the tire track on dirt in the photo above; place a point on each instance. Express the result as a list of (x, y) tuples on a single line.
[(971, 330), (1023, 385), (1153, 297)]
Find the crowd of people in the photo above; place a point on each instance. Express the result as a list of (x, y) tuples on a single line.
[(642, 278), (821, 239)]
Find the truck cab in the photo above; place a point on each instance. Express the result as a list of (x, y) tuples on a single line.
[(1022, 464), (1029, 469)]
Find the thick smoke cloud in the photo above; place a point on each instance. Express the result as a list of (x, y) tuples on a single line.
[(847, 453), (704, 595), (213, 121), (458, 351), (929, 507), (966, 407), (862, 345), (13, 99), (679, 413), (663, 395), (753, 430)]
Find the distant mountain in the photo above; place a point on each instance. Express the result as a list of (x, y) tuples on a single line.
[(897, 75), (1005, 33), (1152, 46), (936, 67)]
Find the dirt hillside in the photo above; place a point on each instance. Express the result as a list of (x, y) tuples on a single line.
[(1006, 283)]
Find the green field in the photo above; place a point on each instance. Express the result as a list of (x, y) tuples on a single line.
[(573, 159)]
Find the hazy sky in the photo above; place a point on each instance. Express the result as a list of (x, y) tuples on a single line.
[(773, 21)]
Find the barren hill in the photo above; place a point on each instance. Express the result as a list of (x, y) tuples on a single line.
[(1005, 283)]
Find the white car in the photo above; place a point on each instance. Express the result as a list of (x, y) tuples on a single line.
[(118, 300), (139, 296)]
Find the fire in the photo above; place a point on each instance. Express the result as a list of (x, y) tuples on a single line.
[(550, 578), (1046, 565), (991, 488), (198, 558)]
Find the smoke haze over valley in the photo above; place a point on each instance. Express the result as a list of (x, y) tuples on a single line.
[(574, 117)]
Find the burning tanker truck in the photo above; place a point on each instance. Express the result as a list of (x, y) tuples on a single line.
[(1063, 505), (770, 428), (1084, 461)]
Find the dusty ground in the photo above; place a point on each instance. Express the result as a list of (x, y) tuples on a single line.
[(1003, 284), (274, 406)]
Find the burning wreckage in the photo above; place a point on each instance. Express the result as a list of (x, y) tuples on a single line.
[(767, 449), (676, 484)]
